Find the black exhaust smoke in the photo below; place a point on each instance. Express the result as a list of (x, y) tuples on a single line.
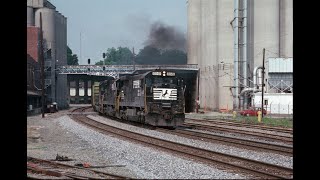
[(165, 37)]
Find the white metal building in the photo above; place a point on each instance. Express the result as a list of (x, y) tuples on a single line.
[(278, 94), (275, 103)]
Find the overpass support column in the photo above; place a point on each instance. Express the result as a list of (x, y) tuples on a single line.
[(77, 92), (68, 89), (86, 91)]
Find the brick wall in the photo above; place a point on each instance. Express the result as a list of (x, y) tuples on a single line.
[(32, 42)]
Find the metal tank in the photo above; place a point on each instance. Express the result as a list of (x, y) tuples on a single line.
[(286, 28), (30, 16)]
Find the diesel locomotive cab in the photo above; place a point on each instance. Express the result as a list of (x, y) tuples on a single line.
[(165, 98)]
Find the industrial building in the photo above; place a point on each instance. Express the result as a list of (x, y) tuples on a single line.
[(226, 39), (54, 26), (278, 96)]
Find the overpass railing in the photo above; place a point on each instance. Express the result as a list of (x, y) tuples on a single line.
[(115, 70)]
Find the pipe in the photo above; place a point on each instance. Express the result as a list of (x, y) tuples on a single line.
[(254, 89), (236, 52), (244, 66), (255, 82), (248, 90)]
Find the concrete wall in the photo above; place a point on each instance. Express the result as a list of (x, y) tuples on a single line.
[(211, 46)]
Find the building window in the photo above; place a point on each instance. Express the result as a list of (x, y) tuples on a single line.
[(266, 102)]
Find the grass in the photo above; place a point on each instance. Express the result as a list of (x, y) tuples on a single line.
[(280, 122)]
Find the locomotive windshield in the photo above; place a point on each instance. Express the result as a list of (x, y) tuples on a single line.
[(165, 80)]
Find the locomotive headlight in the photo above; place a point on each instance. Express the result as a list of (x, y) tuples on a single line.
[(163, 73)]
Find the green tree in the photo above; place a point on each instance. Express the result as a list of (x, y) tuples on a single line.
[(99, 62), (119, 56), (72, 59)]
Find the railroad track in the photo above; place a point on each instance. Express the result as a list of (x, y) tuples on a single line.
[(64, 171), (237, 124), (231, 141), (81, 109), (261, 135), (230, 162)]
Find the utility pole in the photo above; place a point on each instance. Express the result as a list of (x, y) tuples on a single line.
[(262, 82), (80, 47), (42, 68), (134, 64)]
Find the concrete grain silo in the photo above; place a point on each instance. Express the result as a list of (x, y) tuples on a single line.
[(210, 46), (193, 27), (225, 53), (49, 36), (54, 27), (61, 59), (266, 29), (286, 28), (30, 16), (226, 39)]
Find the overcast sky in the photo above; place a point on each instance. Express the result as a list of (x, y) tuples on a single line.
[(111, 23)]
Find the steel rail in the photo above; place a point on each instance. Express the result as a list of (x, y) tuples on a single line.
[(250, 166), (233, 141), (272, 137)]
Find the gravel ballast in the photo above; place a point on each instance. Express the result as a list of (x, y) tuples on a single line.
[(62, 135), (146, 162), (259, 156)]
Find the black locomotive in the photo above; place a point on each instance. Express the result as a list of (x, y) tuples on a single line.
[(155, 98)]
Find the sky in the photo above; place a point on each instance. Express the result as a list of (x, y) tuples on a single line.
[(112, 23)]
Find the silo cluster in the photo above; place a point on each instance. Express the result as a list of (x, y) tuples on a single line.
[(228, 34), (54, 28)]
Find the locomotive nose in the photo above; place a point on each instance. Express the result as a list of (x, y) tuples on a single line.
[(167, 116)]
